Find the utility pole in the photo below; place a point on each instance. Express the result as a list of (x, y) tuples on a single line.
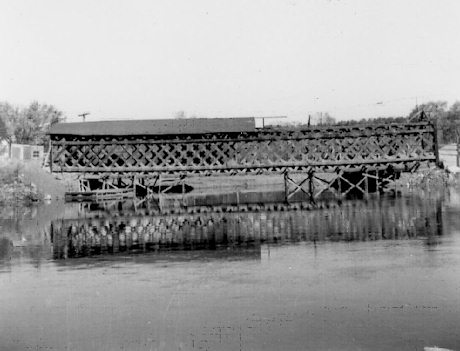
[(83, 115)]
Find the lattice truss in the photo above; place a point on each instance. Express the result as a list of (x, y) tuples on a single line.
[(265, 150), (339, 183)]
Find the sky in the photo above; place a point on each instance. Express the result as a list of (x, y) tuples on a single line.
[(142, 59)]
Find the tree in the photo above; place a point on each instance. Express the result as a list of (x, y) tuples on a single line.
[(453, 120), (180, 115), (29, 125), (3, 132), (328, 120), (446, 119), (455, 108), (8, 114), (435, 110)]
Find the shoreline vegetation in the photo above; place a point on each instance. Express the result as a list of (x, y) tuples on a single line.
[(25, 184), (14, 189), (428, 179)]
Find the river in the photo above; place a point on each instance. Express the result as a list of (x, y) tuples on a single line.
[(375, 274)]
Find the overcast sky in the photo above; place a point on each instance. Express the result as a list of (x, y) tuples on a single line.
[(210, 58)]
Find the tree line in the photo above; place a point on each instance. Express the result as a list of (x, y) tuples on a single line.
[(447, 119), (30, 124)]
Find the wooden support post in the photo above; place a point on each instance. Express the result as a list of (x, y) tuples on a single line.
[(50, 152), (311, 186), (377, 183), (458, 147), (366, 183), (439, 218), (183, 189), (391, 179), (458, 152), (286, 190), (159, 185), (134, 185), (436, 142), (339, 183)]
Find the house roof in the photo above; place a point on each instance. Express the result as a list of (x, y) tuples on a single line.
[(155, 127)]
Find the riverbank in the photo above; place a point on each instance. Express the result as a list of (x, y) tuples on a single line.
[(26, 183), (13, 188), (428, 179)]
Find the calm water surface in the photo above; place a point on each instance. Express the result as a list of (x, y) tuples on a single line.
[(380, 274)]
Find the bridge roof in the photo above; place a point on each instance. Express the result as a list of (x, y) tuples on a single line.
[(155, 127)]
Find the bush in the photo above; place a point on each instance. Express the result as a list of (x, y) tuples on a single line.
[(12, 187)]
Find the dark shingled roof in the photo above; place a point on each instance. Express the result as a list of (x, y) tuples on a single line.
[(155, 127)]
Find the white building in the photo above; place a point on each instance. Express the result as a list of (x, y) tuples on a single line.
[(27, 152)]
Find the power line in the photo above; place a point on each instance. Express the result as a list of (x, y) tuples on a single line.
[(83, 115)]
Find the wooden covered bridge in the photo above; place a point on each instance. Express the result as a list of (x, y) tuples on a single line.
[(145, 153)]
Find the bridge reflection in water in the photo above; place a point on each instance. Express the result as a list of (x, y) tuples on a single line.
[(373, 219)]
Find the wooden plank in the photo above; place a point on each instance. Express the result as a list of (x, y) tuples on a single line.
[(242, 167), (436, 142)]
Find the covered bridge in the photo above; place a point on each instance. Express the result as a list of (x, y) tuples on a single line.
[(148, 148), (163, 145)]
